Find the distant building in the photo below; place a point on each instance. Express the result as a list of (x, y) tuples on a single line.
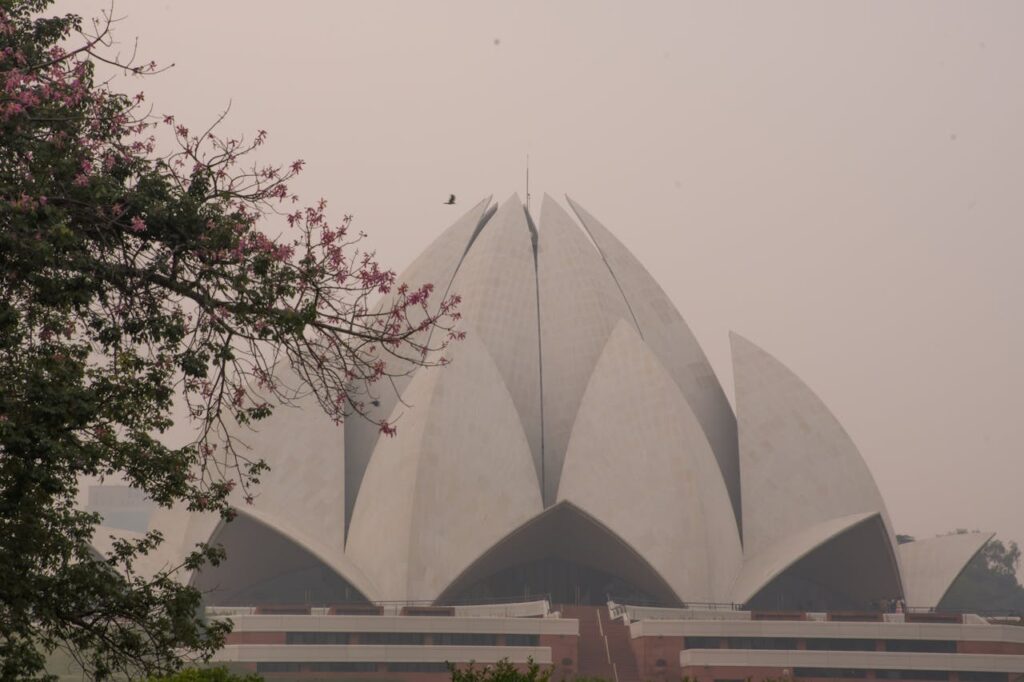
[(579, 446), (121, 506)]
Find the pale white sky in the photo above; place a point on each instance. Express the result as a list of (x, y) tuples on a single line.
[(841, 183)]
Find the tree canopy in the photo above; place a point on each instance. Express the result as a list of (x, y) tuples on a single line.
[(502, 671), (141, 264), (208, 675)]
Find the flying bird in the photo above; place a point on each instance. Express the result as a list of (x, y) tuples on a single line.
[(451, 201)]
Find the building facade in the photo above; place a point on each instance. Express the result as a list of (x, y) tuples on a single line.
[(621, 643)]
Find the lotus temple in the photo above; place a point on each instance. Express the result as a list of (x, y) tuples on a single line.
[(576, 487)]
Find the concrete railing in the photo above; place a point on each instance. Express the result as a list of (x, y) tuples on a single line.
[(411, 624), (377, 653), (537, 608), (879, 660), (530, 609), (710, 612), (212, 611), (830, 629)]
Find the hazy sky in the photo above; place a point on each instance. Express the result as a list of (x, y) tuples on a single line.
[(843, 184)]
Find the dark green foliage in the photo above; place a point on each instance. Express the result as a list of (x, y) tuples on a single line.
[(130, 279), (63, 414), (502, 671)]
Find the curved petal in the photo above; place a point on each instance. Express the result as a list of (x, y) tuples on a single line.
[(931, 566), (104, 537), (498, 284), (800, 468), (456, 478), (639, 462), (763, 567), (853, 569), (437, 265), (304, 448), (565, 553), (579, 307), (182, 530), (270, 563), (256, 541), (666, 333)]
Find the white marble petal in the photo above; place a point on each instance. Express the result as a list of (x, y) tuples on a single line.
[(304, 448), (457, 478), (182, 531), (498, 284), (437, 265), (579, 307), (639, 462), (762, 567), (253, 559), (800, 467), (666, 333), (931, 566), (104, 537)]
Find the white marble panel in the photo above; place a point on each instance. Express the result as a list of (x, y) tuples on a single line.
[(498, 284), (457, 478), (305, 487), (762, 567), (800, 467), (104, 537), (437, 265), (182, 531), (639, 462), (579, 307), (666, 333), (930, 566)]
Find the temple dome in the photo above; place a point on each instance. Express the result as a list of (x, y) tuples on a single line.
[(578, 445)]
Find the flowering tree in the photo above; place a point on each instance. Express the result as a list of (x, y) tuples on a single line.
[(130, 279)]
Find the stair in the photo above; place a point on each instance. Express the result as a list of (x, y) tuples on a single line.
[(620, 648), (604, 648)]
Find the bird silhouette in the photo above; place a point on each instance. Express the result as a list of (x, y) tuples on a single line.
[(451, 201)]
